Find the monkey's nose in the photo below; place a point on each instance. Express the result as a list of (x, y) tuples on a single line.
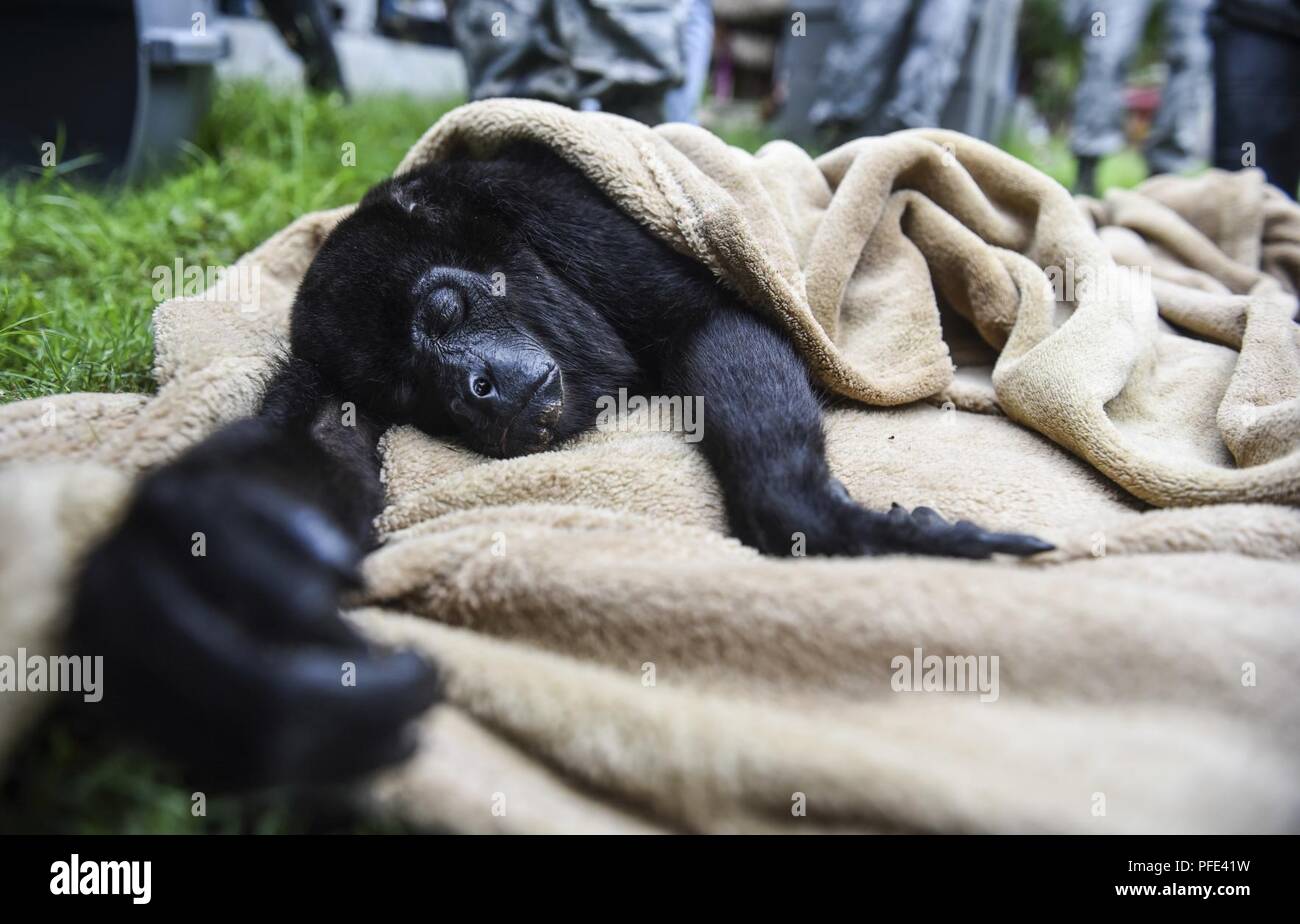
[(532, 425), (505, 390)]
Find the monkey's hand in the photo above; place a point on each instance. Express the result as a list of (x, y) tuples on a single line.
[(855, 530), (925, 532), (827, 521), (215, 607)]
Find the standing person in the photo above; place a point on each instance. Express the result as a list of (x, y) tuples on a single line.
[(1257, 88), (623, 55), (697, 52), (1112, 34), (307, 29), (892, 65)]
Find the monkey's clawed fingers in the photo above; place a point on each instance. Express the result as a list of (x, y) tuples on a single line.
[(924, 530), (215, 606)]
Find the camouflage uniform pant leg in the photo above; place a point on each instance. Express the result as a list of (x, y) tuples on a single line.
[(940, 36), (697, 51), (1179, 137), (1112, 34), (624, 53), (860, 62), (510, 48)]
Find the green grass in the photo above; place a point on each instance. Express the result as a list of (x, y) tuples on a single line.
[(1122, 170), (75, 262), (75, 301)]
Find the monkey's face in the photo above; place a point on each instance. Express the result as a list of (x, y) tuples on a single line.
[(440, 318), (477, 370)]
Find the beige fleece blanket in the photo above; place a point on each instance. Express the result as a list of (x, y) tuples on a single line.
[(1120, 376)]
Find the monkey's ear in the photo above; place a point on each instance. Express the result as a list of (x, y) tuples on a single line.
[(403, 191), (406, 198), (411, 192)]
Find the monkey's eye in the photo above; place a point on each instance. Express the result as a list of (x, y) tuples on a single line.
[(481, 386), (444, 310)]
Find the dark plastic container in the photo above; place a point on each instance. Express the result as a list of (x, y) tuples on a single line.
[(121, 80)]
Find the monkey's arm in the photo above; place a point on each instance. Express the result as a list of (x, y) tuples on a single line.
[(762, 433), (215, 602)]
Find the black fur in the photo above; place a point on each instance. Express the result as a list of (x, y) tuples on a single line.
[(513, 277)]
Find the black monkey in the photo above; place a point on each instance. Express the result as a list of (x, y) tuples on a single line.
[(232, 661)]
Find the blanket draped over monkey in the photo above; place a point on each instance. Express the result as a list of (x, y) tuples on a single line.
[(1121, 377)]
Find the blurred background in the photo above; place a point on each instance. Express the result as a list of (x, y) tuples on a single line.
[(118, 87), (134, 133)]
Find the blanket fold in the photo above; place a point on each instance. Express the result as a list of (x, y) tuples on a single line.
[(1121, 376)]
